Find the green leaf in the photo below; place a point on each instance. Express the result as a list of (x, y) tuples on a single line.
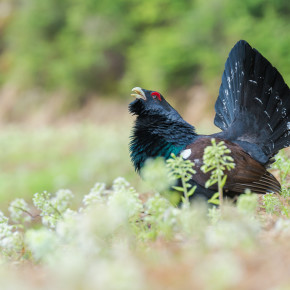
[(223, 182), (214, 199), (178, 188), (191, 192), (217, 202), (210, 182)]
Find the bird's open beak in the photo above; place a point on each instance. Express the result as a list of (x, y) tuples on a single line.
[(139, 94)]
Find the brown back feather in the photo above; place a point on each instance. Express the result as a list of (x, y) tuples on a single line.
[(248, 173)]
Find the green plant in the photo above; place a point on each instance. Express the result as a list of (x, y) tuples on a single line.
[(277, 204), (282, 164), (247, 202), (271, 203), (280, 203), (217, 160), (52, 207), (182, 170), (156, 175)]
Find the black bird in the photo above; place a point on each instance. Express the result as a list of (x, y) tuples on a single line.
[(252, 110)]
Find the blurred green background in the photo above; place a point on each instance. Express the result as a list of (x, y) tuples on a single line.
[(67, 68)]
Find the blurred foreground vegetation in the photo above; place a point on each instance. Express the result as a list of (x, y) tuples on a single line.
[(120, 239), (86, 48)]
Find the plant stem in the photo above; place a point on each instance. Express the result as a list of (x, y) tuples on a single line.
[(184, 190), (219, 186)]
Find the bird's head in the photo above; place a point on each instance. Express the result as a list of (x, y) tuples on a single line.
[(151, 103), (158, 130)]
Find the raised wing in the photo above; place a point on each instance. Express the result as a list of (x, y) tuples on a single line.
[(253, 106)]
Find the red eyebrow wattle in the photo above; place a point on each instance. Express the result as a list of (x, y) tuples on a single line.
[(157, 95)]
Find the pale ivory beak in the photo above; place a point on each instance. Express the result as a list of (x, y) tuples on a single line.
[(139, 94)]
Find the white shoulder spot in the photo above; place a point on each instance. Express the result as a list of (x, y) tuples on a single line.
[(185, 153)]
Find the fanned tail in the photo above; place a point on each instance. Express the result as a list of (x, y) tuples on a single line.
[(253, 107)]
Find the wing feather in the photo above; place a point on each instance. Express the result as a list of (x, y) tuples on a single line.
[(247, 174)]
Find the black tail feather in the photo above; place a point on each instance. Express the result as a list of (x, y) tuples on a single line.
[(254, 102)]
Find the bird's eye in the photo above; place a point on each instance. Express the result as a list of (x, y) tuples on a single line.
[(155, 95)]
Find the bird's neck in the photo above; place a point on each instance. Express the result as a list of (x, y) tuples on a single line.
[(154, 136)]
